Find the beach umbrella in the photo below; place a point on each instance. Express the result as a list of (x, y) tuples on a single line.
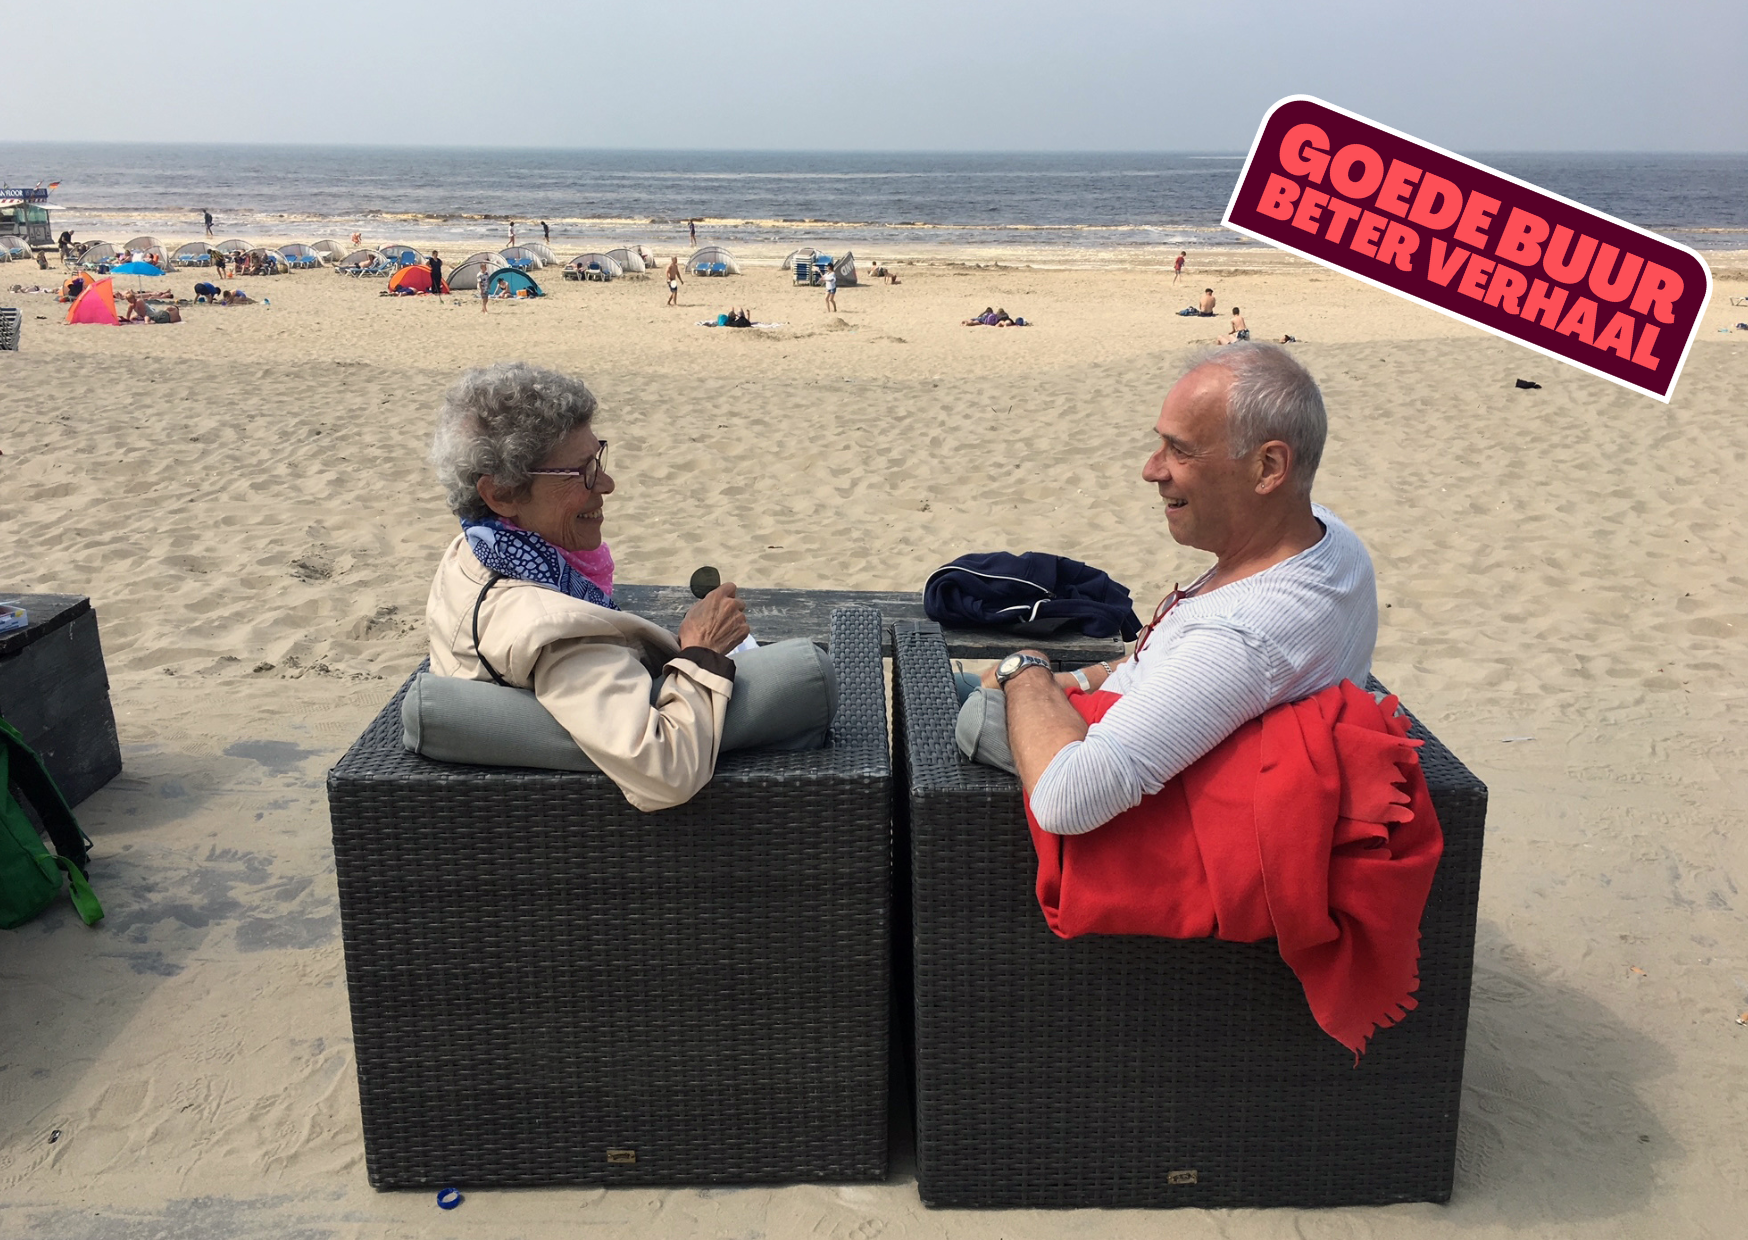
[(137, 269)]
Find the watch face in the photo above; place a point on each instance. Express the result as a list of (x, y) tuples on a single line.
[(1007, 667)]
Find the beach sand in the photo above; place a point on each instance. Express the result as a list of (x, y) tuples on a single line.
[(1564, 599)]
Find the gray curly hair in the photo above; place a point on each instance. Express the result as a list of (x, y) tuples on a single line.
[(499, 422), (1272, 397)]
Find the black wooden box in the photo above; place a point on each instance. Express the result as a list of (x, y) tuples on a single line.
[(54, 690)]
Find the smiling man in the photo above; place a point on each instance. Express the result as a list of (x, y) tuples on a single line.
[(1289, 607)]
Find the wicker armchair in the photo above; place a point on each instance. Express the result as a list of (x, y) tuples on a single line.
[(1129, 1071), (550, 987)]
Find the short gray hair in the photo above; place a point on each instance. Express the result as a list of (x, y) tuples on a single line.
[(499, 422), (1272, 397)]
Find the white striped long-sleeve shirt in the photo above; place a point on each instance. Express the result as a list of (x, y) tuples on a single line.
[(1214, 662)]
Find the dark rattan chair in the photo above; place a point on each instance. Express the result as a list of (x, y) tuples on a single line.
[(550, 987), (1130, 1071)]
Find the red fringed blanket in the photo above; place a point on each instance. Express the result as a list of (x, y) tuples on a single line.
[(1311, 825)]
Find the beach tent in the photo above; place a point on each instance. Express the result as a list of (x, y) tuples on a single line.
[(14, 247), (542, 251), (233, 245), (97, 252), (593, 267), (194, 254), (95, 305), (416, 278), (517, 282), (489, 259), (362, 261), (467, 275), (629, 260), (847, 269), (266, 252), (522, 258), (400, 255), (713, 260), (148, 248), (300, 255), (331, 250)]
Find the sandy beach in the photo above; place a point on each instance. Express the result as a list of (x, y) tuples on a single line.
[(244, 496)]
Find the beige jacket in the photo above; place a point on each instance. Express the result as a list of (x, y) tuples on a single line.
[(591, 667)]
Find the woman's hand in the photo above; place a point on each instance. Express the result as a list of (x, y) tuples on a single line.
[(718, 621)]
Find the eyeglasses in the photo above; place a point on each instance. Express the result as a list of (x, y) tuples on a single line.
[(589, 471), (1159, 613)]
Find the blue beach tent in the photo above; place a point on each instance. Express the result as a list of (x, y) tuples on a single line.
[(517, 282)]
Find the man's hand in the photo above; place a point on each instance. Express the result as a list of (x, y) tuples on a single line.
[(1041, 723)]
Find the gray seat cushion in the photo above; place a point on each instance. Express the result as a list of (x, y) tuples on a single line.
[(982, 730), (785, 696)]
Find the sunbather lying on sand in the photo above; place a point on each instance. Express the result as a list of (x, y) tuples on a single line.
[(993, 318)]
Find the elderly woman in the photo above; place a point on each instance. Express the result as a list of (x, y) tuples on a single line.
[(524, 594)]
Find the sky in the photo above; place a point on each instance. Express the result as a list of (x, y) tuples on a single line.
[(1491, 75)]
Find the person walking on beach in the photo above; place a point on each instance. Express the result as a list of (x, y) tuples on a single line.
[(674, 280), (208, 215), (435, 266), (545, 233), (692, 230), (1177, 268), (512, 232), (831, 287), (485, 291)]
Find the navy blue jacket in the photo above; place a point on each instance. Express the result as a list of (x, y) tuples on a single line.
[(1035, 594)]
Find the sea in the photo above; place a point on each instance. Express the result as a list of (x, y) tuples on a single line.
[(901, 203)]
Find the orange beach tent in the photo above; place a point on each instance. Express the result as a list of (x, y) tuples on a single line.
[(95, 305), (417, 279)]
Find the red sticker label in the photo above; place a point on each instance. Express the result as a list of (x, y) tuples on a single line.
[(1484, 247)]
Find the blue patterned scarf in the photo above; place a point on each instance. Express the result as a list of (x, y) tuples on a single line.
[(512, 552)]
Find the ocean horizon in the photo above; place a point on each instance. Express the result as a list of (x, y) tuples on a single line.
[(1108, 200)]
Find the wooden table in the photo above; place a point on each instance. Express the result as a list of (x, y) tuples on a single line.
[(55, 691), (779, 614)]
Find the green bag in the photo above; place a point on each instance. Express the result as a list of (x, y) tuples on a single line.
[(30, 875)]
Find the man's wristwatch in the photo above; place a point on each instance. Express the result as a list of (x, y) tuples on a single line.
[(1014, 664)]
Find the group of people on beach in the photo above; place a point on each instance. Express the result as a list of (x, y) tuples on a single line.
[(211, 294)]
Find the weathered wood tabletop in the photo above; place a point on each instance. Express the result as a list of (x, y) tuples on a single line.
[(778, 614), (46, 612)]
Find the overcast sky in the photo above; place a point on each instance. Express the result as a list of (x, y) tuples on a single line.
[(912, 75)]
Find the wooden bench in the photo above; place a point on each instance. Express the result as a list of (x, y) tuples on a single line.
[(54, 690)]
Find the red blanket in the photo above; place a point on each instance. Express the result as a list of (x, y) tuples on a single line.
[(1311, 825)]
